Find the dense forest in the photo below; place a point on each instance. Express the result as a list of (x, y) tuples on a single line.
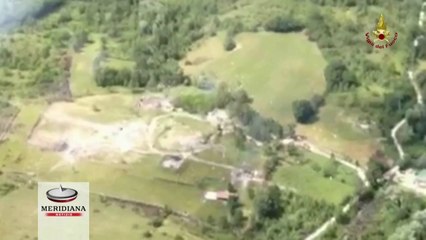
[(389, 215)]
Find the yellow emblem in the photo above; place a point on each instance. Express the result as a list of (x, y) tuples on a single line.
[(381, 31)]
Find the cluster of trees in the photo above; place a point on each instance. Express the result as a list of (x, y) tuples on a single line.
[(286, 215), (416, 119), (238, 104), (276, 215), (283, 25), (196, 102), (257, 126), (392, 215), (339, 78), (106, 76), (156, 37), (415, 229), (273, 160), (305, 111), (350, 67)]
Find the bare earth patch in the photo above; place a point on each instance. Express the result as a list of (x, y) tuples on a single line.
[(77, 138)]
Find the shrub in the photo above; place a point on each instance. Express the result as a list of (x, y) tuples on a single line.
[(157, 222), (229, 43), (147, 234)]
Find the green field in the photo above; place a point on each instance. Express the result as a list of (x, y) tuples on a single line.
[(147, 181), (272, 68), (132, 224), (306, 180)]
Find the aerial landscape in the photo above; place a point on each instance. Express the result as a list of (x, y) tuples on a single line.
[(217, 119)]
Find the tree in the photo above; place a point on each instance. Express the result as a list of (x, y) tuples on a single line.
[(229, 43), (416, 119), (303, 111), (268, 205), (375, 172)]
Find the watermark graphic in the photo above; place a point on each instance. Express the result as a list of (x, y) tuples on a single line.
[(61, 194), (381, 36), (63, 211)]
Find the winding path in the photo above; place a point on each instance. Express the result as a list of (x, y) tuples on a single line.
[(416, 87)]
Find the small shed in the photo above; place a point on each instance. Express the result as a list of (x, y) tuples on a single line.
[(220, 195)]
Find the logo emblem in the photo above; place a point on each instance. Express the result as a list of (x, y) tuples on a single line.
[(381, 35), (61, 194)]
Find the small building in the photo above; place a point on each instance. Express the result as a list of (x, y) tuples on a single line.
[(172, 161), (218, 196), (421, 178)]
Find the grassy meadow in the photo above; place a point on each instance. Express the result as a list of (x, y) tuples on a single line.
[(276, 69), (133, 224), (147, 181), (272, 69)]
